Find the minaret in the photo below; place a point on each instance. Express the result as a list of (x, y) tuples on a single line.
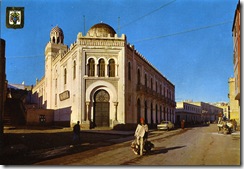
[(54, 46)]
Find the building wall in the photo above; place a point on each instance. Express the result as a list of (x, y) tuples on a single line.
[(145, 88), (236, 33), (192, 114), (209, 111), (225, 107), (65, 90), (234, 105), (38, 93), (39, 117)]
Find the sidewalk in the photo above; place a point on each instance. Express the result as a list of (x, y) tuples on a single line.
[(114, 132), (23, 142)]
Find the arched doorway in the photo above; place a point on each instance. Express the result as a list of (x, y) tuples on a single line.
[(101, 109), (156, 114), (138, 110), (145, 113), (151, 113)]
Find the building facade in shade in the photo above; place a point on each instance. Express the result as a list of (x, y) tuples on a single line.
[(102, 81), (192, 114), (233, 103), (236, 34)]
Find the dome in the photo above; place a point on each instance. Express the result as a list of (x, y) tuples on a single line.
[(57, 29), (101, 30), (56, 35)]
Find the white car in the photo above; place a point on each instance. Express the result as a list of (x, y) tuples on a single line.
[(165, 125)]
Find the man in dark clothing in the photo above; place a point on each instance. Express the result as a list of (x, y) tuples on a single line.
[(76, 131)]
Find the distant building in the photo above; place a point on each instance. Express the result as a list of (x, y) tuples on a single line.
[(209, 111), (191, 113), (225, 107), (236, 33), (102, 81), (20, 91), (233, 103)]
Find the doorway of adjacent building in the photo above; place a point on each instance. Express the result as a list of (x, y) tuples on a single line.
[(101, 109)]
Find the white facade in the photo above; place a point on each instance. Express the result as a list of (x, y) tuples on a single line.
[(102, 81), (209, 111)]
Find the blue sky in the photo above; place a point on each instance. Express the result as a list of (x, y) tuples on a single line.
[(188, 41)]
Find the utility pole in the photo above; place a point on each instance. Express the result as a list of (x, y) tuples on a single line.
[(84, 18), (118, 26)]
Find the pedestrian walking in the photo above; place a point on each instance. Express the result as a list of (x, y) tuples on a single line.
[(141, 134), (182, 124), (76, 132)]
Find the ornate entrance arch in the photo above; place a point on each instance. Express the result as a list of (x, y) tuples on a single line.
[(101, 108)]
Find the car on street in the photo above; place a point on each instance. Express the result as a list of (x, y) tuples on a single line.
[(165, 125)]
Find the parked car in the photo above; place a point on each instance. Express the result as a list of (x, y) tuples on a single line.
[(165, 125)]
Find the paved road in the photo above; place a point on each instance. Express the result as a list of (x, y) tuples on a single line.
[(192, 146)]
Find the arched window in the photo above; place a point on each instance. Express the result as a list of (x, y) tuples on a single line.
[(58, 40), (101, 68), (160, 89), (56, 99), (160, 115), (145, 112), (145, 80), (111, 67), (156, 113), (138, 110), (65, 76), (164, 113), (151, 83), (129, 71), (151, 113), (170, 115), (56, 83), (91, 67), (138, 77), (74, 69), (53, 39), (167, 113), (156, 86)]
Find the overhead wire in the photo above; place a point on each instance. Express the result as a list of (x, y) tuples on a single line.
[(183, 32), (152, 38), (135, 20), (173, 34), (148, 14)]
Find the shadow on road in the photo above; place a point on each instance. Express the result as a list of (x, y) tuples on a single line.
[(160, 150), (23, 147)]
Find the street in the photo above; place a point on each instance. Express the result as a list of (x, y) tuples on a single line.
[(190, 146)]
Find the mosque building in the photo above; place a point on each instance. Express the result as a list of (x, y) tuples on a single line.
[(102, 81)]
